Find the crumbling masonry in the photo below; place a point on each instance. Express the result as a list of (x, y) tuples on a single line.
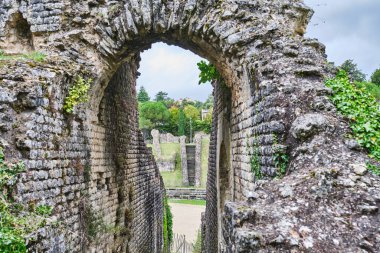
[(93, 165)]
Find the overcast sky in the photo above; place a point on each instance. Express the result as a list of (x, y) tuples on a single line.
[(350, 29)]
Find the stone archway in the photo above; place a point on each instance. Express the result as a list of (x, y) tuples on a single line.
[(94, 159)]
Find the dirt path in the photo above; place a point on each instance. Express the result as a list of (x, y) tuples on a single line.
[(187, 220)]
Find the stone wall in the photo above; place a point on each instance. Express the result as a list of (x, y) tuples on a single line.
[(186, 193), (272, 102), (90, 169)]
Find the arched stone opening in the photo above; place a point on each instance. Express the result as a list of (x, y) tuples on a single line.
[(114, 130), (278, 104), (19, 38)]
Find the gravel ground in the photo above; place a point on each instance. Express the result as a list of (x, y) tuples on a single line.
[(187, 220)]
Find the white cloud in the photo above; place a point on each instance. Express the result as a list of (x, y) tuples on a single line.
[(173, 70), (349, 29)]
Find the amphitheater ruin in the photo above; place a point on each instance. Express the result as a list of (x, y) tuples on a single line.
[(271, 103)]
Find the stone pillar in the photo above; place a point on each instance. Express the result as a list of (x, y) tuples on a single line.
[(198, 155), (156, 142), (185, 177)]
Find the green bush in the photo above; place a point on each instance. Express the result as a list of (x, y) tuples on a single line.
[(167, 225), (78, 93), (361, 109), (17, 221)]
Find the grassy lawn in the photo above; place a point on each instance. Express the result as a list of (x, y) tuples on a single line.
[(196, 202), (174, 179)]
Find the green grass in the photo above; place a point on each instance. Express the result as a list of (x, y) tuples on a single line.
[(174, 179), (195, 202), (168, 149), (34, 56)]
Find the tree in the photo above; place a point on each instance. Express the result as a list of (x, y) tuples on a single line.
[(352, 70), (142, 95), (181, 122), (191, 112), (161, 96), (375, 78), (155, 112), (209, 102)]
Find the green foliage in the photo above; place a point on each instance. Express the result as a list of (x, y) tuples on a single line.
[(78, 93), (44, 210), (208, 72), (372, 88), (202, 125), (281, 158), (34, 56), (361, 109), (281, 161), (353, 72), (375, 77), (167, 225), (198, 243), (142, 95), (161, 96), (155, 112), (255, 159), (17, 221), (374, 168), (181, 122), (191, 112)]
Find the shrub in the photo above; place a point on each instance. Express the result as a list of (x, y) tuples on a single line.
[(78, 93), (17, 221), (361, 109)]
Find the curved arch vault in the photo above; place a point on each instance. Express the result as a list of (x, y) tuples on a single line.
[(92, 165)]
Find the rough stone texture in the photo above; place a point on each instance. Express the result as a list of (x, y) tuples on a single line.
[(167, 166), (274, 84), (168, 138), (156, 142), (198, 156), (185, 177), (186, 193)]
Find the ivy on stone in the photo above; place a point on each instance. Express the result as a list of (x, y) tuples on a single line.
[(17, 220), (361, 109), (78, 93), (208, 72)]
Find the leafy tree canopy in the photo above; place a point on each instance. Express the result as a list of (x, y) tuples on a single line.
[(375, 78), (142, 95), (161, 96), (155, 112), (353, 71), (191, 112)]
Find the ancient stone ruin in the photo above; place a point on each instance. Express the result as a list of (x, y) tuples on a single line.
[(272, 103)]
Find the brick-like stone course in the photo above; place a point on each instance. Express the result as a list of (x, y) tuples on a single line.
[(95, 158), (186, 193)]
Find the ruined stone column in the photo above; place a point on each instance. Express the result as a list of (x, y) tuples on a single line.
[(198, 154), (156, 142), (185, 177)]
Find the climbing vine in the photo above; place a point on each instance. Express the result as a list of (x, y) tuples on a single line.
[(255, 158), (78, 93), (281, 158), (208, 72), (362, 111), (17, 220)]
